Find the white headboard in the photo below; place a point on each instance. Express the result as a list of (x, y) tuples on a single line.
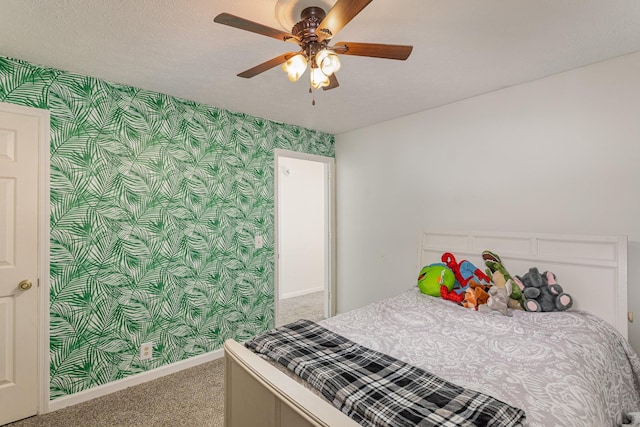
[(593, 269)]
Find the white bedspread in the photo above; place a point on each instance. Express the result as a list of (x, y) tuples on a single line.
[(562, 369)]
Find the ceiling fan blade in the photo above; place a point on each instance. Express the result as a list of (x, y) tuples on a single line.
[(251, 72), (254, 27), (339, 16), (388, 51), (333, 82)]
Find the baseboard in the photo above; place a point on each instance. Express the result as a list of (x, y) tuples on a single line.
[(301, 293), (133, 380)]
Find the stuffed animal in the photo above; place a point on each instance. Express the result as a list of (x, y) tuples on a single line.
[(475, 295), (499, 298), (499, 281), (494, 263), (433, 276), (464, 272), (542, 292), (450, 295)]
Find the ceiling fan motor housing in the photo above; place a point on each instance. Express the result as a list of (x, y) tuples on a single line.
[(305, 30)]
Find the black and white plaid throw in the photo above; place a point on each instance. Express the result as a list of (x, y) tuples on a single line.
[(373, 388)]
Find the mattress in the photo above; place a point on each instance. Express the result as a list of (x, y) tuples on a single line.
[(567, 369)]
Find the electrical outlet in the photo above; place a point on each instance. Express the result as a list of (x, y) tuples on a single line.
[(259, 242), (146, 350)]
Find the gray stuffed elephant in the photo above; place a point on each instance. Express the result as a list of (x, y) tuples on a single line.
[(541, 292)]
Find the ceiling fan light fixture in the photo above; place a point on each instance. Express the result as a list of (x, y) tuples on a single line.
[(313, 33), (327, 61), (295, 67)]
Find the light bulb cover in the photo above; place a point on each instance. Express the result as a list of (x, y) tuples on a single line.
[(318, 78), (295, 67), (327, 61)]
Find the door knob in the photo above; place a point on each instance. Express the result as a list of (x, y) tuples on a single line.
[(25, 285)]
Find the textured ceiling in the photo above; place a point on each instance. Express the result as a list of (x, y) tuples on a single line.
[(462, 48)]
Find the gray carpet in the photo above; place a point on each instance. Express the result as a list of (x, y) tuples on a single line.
[(309, 306), (192, 397)]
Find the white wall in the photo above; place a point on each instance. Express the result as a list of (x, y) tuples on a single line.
[(561, 154), (301, 204)]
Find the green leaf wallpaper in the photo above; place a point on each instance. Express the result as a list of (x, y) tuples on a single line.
[(155, 202)]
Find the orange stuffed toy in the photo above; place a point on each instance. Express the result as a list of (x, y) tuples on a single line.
[(476, 295)]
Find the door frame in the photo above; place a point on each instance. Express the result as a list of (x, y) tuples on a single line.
[(330, 223), (44, 163)]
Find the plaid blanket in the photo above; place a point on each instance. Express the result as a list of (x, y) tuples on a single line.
[(373, 388)]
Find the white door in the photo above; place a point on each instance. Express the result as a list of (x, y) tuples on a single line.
[(19, 141)]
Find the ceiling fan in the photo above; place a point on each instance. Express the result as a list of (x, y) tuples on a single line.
[(313, 34)]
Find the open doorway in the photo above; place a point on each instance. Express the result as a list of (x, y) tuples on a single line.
[(304, 247)]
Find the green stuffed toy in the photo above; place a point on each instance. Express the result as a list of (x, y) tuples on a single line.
[(433, 276)]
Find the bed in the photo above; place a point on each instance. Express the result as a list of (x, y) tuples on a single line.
[(568, 368)]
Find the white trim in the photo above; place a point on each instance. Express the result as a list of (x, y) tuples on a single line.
[(300, 293), (302, 156), (44, 249), (330, 307), (330, 197), (44, 164), (134, 380)]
